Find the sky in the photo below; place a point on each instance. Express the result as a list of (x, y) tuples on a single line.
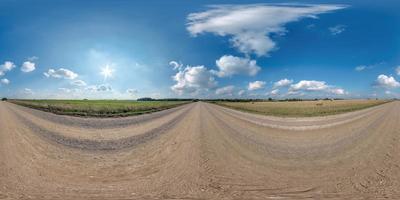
[(199, 49)]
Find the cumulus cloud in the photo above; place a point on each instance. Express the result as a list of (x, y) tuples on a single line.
[(225, 91), (282, 83), (61, 73), (5, 81), (28, 66), (314, 86), (338, 91), (79, 83), (192, 80), (309, 86), (338, 29), (256, 85), (229, 65), (386, 81), (6, 66), (250, 27)]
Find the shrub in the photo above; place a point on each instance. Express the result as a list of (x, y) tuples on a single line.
[(4, 99)]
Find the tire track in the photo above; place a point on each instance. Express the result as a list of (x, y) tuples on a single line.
[(87, 144)]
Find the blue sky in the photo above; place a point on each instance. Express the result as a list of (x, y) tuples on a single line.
[(214, 49)]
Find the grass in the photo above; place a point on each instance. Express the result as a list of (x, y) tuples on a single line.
[(302, 108), (98, 108)]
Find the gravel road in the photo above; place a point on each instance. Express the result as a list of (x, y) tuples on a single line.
[(200, 151)]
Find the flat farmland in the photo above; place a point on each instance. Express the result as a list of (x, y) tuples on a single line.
[(200, 151), (302, 108), (99, 108)]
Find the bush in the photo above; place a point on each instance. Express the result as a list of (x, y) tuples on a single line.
[(4, 99)]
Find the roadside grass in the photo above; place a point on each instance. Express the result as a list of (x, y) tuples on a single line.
[(98, 108), (302, 108)]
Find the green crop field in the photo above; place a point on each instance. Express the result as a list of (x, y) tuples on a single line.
[(302, 108), (98, 108)]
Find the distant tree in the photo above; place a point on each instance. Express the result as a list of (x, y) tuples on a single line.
[(146, 99), (4, 99)]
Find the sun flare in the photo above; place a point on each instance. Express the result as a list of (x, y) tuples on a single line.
[(107, 72)]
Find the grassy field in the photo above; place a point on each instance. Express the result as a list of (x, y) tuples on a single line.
[(302, 108), (98, 108)]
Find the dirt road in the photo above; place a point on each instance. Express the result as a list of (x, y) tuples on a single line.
[(200, 151)]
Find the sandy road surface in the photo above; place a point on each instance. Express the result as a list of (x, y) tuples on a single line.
[(200, 151)]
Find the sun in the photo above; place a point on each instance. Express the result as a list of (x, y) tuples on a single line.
[(107, 72)]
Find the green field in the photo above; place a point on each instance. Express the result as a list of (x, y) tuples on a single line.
[(302, 108), (98, 108)]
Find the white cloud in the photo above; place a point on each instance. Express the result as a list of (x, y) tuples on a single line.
[(398, 70), (225, 91), (7, 66), (241, 92), (338, 29), (61, 73), (250, 26), (193, 80), (386, 81), (176, 65), (256, 85), (79, 83), (229, 65), (314, 86), (132, 91), (283, 83), (28, 66), (99, 88), (27, 91), (392, 94), (32, 58), (274, 92), (5, 81), (360, 68), (309, 86), (338, 91)]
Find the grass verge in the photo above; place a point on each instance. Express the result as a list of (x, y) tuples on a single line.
[(98, 108), (302, 108)]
